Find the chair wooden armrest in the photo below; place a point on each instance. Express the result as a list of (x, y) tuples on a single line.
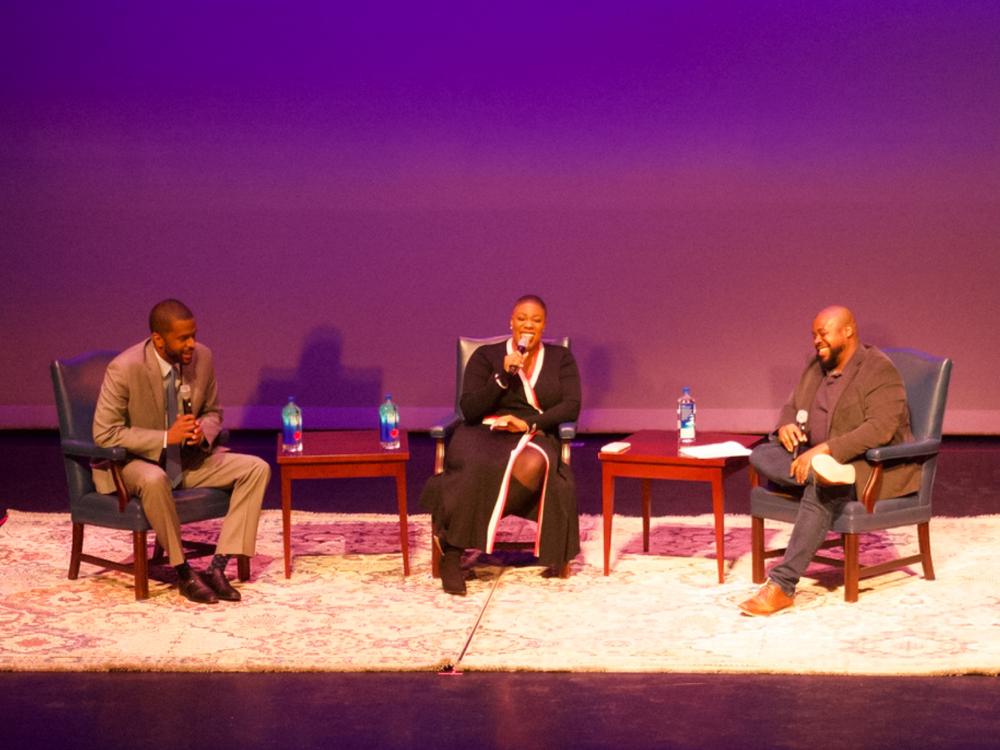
[(872, 488), (567, 434), (918, 450), (441, 432), (123, 495)]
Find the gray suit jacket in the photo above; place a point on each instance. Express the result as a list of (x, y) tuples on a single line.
[(870, 412), (131, 408)]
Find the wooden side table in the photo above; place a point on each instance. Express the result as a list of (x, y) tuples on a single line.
[(341, 454), (654, 455)]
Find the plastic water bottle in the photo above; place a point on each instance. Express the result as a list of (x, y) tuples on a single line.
[(291, 427), (388, 421), (685, 416)]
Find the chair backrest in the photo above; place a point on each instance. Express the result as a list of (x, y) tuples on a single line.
[(926, 378), (77, 384), (467, 345)]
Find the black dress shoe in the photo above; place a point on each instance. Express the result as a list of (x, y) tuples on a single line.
[(196, 590), (216, 578), (452, 575)]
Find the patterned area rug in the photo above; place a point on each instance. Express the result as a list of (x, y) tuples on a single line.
[(347, 606)]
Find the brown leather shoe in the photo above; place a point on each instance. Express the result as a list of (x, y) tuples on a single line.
[(767, 601), (216, 579), (196, 590)]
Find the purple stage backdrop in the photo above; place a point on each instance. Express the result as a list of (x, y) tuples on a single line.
[(339, 190)]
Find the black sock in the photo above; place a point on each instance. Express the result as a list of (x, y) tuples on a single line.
[(220, 561), (183, 571)]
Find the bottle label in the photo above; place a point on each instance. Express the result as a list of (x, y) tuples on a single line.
[(685, 422)]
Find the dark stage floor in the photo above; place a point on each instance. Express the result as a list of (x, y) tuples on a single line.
[(527, 710), (499, 710)]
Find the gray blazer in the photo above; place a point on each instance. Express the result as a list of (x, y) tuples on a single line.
[(131, 407)]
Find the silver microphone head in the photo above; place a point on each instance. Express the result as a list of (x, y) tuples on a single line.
[(522, 343), (802, 416), (185, 395)]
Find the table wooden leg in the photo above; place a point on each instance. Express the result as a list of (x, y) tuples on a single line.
[(286, 521), (646, 506), (608, 507), (757, 548), (404, 535), (718, 509)]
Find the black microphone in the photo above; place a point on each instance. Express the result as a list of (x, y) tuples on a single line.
[(801, 419), (185, 393), (522, 347)]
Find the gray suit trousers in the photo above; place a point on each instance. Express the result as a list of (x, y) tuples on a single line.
[(247, 476)]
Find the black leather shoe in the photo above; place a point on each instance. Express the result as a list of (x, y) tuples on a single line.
[(452, 575), (196, 590), (216, 579)]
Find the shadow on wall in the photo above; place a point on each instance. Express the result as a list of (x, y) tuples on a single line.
[(321, 380)]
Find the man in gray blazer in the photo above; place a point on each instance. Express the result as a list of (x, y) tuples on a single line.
[(159, 402), (849, 399)]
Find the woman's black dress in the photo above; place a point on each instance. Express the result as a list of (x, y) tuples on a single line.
[(468, 499)]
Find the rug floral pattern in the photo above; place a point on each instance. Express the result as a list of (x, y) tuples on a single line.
[(347, 606)]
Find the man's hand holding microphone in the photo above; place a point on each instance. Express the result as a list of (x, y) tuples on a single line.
[(185, 430)]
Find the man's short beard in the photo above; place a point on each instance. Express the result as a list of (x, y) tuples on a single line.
[(833, 359)]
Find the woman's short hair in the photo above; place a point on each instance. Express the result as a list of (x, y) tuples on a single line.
[(532, 298)]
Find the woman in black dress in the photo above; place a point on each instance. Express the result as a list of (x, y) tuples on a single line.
[(504, 458)]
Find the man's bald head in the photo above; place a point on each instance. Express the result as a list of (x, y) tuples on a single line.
[(835, 336)]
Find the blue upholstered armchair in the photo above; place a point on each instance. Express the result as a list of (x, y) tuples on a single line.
[(77, 384), (926, 379)]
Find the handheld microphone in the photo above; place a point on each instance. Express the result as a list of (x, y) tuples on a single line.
[(522, 347), (801, 420), (185, 393)]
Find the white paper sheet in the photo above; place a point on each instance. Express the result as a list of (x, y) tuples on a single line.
[(715, 450)]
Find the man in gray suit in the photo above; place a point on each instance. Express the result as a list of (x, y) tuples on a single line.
[(159, 402), (849, 399)]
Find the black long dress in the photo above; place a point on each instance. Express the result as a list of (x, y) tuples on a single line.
[(468, 499)]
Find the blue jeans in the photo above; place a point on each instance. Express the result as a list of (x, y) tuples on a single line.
[(818, 506)]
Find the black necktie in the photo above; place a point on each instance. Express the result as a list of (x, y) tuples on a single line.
[(173, 466)]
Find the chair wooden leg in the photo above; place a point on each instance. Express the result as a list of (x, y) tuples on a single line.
[(243, 567), (564, 570), (851, 571), (924, 540), (757, 548), (435, 557), (141, 564), (646, 509), (75, 550)]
